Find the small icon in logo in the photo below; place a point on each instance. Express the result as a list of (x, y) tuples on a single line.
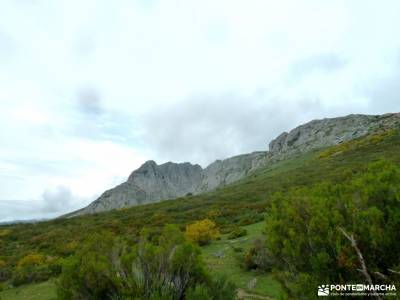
[(323, 290), (359, 287)]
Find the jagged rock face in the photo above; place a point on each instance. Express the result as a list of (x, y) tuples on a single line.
[(166, 181), (223, 172), (152, 182), (327, 132)]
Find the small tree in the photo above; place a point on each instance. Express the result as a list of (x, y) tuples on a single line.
[(202, 232)]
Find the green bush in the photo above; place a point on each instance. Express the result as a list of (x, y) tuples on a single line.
[(309, 231), (237, 249), (5, 271), (165, 268), (199, 292), (221, 288), (237, 232), (256, 258), (90, 274), (217, 289), (35, 268)]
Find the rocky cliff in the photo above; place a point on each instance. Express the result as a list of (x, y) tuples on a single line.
[(327, 132), (152, 182)]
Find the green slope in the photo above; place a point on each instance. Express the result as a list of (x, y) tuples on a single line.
[(242, 203), (220, 257), (39, 291)]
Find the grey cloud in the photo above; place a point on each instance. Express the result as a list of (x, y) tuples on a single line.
[(89, 102), (95, 121), (110, 125), (384, 94), (7, 46), (11, 210), (85, 45), (34, 165), (206, 128), (54, 202), (325, 62), (57, 200)]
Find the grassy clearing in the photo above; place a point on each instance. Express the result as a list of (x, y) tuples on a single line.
[(220, 258), (39, 291)]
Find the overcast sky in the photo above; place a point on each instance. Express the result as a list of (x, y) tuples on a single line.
[(89, 90)]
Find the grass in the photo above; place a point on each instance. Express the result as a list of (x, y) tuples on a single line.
[(220, 257), (35, 291)]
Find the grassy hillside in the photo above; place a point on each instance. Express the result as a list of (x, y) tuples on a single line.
[(221, 258), (242, 203), (39, 291)]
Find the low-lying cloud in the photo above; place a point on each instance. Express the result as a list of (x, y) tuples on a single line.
[(54, 202), (206, 128)]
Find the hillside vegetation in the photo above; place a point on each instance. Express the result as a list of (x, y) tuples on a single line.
[(36, 252)]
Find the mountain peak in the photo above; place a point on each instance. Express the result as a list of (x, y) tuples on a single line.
[(152, 182)]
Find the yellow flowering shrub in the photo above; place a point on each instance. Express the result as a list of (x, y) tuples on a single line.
[(202, 232), (31, 259), (4, 232)]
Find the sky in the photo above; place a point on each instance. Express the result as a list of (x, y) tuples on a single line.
[(90, 90)]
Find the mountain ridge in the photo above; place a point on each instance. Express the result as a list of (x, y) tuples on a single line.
[(152, 183)]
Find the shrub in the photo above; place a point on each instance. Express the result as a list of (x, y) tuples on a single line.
[(4, 232), (237, 232), (199, 292), (31, 260), (5, 271), (316, 234), (218, 289), (251, 218), (68, 248), (89, 274), (152, 269), (213, 214), (375, 138), (257, 258), (202, 232), (34, 267), (237, 249), (222, 289)]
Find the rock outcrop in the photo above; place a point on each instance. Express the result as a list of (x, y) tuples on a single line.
[(150, 183), (153, 183), (328, 132)]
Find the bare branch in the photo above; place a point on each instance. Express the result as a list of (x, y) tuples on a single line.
[(363, 269), (379, 274), (394, 272)]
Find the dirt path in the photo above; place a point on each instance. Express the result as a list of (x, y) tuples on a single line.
[(243, 295)]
